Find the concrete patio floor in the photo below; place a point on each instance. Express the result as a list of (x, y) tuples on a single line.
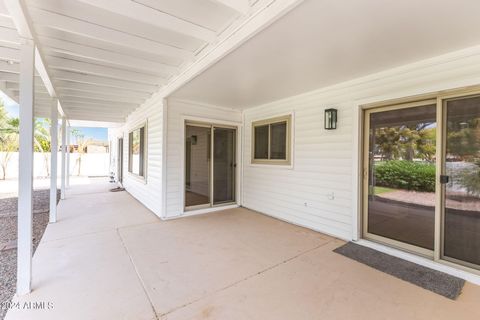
[(108, 257)]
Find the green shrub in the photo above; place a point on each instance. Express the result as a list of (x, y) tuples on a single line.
[(409, 175), (470, 180)]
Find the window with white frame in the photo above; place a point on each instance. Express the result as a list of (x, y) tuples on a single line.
[(271, 141), (137, 151)]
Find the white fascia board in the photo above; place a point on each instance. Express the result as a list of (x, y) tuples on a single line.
[(94, 124), (42, 71), (241, 6)]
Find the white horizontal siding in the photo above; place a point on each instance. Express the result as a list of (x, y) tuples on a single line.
[(178, 110), (326, 161), (149, 191)]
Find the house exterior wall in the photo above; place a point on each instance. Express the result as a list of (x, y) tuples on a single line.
[(178, 112), (320, 190), (149, 190)]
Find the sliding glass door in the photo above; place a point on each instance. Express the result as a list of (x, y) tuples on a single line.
[(210, 165), (400, 153), (421, 177), (197, 166), (461, 227), (223, 165)]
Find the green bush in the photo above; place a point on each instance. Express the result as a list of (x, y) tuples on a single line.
[(409, 175), (470, 180)]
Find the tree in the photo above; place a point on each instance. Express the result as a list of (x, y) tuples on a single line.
[(426, 144), (82, 144), (463, 138), (9, 144), (41, 137), (405, 142), (8, 139), (387, 142), (42, 140)]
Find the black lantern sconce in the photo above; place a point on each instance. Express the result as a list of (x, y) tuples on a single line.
[(330, 119)]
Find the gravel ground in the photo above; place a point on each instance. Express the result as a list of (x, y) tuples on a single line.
[(8, 234)]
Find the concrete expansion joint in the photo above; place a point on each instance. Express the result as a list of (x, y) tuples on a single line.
[(249, 277), (137, 273)]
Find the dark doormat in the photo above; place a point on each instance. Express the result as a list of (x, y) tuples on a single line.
[(433, 280)]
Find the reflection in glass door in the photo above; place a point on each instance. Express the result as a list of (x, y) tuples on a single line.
[(197, 166), (406, 203), (399, 183), (461, 225), (223, 165)]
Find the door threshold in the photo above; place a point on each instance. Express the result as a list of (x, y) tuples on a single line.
[(207, 210), (435, 265)]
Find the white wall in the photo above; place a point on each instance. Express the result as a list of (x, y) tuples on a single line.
[(148, 190), (177, 112), (320, 189), (326, 162), (93, 164)]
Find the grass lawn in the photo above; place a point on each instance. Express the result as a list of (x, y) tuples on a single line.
[(380, 190)]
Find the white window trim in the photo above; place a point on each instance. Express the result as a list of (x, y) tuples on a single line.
[(274, 163), (135, 176)]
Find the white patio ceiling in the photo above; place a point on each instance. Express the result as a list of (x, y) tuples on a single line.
[(325, 42), (105, 58)]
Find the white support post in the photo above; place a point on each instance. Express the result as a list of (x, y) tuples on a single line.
[(25, 174), (67, 173), (53, 160), (64, 147)]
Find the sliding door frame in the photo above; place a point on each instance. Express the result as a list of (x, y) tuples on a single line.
[(204, 205), (439, 98), (212, 166), (212, 124), (366, 171), (442, 102)]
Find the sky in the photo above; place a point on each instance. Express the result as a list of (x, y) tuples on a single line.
[(10, 105), (99, 134)]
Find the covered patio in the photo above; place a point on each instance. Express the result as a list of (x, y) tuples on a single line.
[(148, 69), (108, 257)]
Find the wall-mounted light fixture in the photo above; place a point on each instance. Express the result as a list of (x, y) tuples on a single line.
[(330, 119)]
